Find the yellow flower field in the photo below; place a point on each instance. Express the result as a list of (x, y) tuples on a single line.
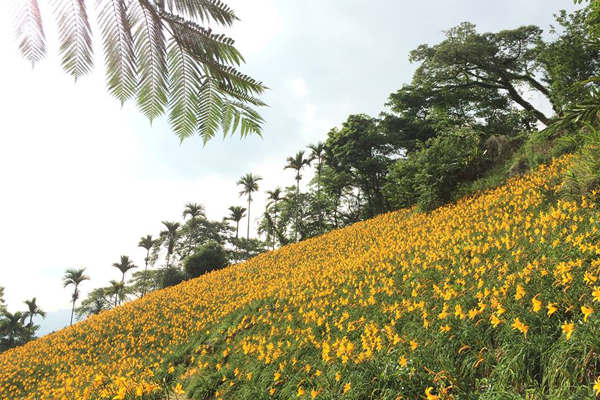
[(493, 297)]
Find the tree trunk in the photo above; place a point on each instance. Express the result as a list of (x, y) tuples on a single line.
[(145, 273), (248, 232), (72, 311)]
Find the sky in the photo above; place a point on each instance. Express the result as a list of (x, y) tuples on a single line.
[(82, 178)]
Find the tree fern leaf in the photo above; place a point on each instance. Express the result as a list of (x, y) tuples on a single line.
[(210, 107), (29, 30), (150, 46), (206, 10), (115, 26), (202, 43), (184, 86), (75, 35)]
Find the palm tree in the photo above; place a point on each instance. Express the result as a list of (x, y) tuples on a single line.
[(74, 277), (236, 213), (171, 234), (194, 211), (147, 243), (158, 54), (317, 153), (124, 265), (273, 198), (116, 290), (297, 163), (249, 183), (33, 310), (12, 327)]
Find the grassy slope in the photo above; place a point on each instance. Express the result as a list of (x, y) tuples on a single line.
[(404, 305)]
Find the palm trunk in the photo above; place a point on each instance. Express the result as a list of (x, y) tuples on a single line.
[(248, 233), (145, 273), (72, 311)]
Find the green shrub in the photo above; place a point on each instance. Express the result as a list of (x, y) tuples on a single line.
[(583, 176), (209, 257), (429, 177)]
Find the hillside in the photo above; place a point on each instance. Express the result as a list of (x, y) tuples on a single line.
[(491, 297)]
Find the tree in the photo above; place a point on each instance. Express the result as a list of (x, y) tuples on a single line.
[(318, 153), (147, 243), (209, 257), (273, 199), (496, 62), (194, 211), (236, 213), (117, 291), (74, 277), (124, 265), (171, 235), (32, 311), (249, 185), (96, 301), (156, 53), (12, 331), (2, 303), (297, 163)]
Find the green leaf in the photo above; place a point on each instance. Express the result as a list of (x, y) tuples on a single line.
[(29, 30)]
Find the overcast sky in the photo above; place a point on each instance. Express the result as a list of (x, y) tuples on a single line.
[(82, 179)]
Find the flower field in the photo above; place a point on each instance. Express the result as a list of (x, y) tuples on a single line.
[(497, 296)]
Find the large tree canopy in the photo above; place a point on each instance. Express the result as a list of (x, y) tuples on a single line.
[(505, 62), (156, 53)]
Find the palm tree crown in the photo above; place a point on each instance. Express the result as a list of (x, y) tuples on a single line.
[(297, 163), (124, 265), (147, 243), (33, 310), (194, 210), (249, 185), (171, 234)]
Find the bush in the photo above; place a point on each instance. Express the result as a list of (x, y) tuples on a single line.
[(583, 176), (429, 177), (209, 257), (172, 276)]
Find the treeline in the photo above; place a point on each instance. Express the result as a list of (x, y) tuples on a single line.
[(18, 328)]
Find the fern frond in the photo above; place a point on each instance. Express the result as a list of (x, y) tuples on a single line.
[(241, 96), (75, 35), (184, 86), (209, 113), (232, 78), (29, 30), (115, 26), (206, 10), (202, 43), (150, 46), (249, 120)]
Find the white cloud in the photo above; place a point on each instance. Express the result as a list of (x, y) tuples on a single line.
[(298, 86)]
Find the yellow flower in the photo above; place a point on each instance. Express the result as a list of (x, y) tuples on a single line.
[(536, 304), (518, 325), (597, 386), (301, 392), (495, 320), (347, 387), (596, 293), (551, 308), (178, 389), (120, 394), (272, 391), (429, 395), (587, 311), (403, 361), (568, 329), (314, 393), (338, 376), (413, 345), (276, 376)]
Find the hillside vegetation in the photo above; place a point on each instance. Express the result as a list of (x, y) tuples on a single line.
[(492, 297)]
